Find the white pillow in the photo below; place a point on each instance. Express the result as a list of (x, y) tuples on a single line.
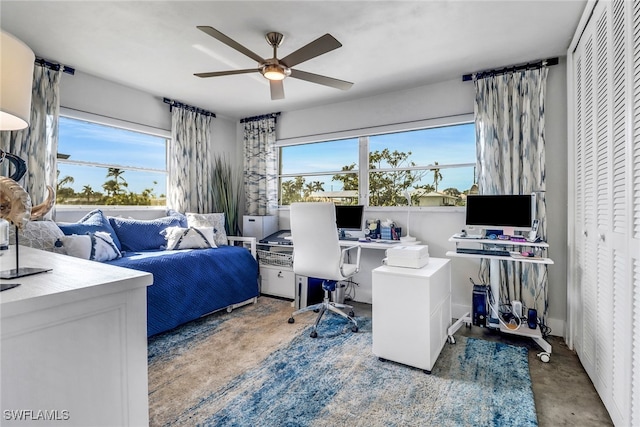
[(189, 238), (215, 220), (40, 235), (96, 246)]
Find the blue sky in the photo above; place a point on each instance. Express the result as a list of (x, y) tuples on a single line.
[(445, 145), (104, 144)]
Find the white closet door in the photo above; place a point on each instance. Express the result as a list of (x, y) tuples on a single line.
[(634, 239), (606, 201)]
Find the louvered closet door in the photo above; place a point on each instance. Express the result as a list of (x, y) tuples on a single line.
[(634, 240), (606, 198)]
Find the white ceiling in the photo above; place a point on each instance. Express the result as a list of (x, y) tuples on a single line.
[(387, 45)]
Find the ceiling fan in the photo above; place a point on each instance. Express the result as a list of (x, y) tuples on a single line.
[(275, 70)]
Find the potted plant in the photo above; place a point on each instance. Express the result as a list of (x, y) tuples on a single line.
[(227, 186)]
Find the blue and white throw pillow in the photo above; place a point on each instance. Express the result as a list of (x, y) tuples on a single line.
[(189, 238), (215, 220), (98, 246), (90, 223)]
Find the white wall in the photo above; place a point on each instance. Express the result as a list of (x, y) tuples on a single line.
[(94, 95), (434, 226)]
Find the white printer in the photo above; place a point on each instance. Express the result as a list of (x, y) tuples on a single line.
[(411, 256)]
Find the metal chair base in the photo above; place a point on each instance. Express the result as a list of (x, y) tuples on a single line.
[(327, 306)]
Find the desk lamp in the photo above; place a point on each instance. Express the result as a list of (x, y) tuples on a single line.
[(16, 79), (408, 238)]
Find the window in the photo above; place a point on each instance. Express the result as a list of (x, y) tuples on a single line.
[(435, 166), (320, 170), (105, 165)]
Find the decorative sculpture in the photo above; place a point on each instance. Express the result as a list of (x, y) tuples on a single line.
[(15, 203)]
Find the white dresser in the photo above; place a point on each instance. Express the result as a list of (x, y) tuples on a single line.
[(73, 343), (411, 312)]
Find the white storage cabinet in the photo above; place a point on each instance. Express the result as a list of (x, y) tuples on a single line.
[(276, 271), (411, 312), (259, 226)]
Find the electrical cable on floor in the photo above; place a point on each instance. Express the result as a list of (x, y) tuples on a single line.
[(350, 287)]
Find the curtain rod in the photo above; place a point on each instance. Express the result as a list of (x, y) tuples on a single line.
[(527, 66), (264, 116), (177, 104), (56, 67)]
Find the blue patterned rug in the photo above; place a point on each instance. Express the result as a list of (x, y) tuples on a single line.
[(333, 380)]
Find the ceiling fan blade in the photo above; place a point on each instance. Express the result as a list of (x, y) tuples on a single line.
[(230, 42), (277, 89), (226, 73), (319, 46), (321, 80)]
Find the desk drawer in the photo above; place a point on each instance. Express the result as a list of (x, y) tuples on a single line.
[(277, 281)]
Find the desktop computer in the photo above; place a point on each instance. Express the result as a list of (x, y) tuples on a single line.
[(308, 291), (480, 305)]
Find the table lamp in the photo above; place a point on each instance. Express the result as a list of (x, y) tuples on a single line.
[(408, 238), (16, 80)]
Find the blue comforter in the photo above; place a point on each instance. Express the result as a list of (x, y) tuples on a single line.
[(189, 283)]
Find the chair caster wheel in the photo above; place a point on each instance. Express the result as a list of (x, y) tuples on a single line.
[(313, 334), (354, 329), (351, 314), (291, 320), (544, 357), (451, 339)]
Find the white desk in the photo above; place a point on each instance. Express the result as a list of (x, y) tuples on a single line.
[(74, 341), (276, 272), (494, 278), (376, 244)]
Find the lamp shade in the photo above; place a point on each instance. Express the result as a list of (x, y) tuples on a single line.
[(16, 78)]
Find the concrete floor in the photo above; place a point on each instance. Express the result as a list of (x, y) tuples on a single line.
[(562, 390)]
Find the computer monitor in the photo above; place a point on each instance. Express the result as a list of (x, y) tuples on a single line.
[(510, 211), (349, 217)]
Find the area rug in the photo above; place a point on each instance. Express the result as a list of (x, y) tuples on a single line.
[(252, 368)]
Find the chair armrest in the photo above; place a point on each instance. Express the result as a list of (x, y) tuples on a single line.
[(344, 254), (247, 242)]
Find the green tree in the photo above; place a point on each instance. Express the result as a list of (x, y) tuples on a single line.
[(349, 180), (387, 188), (116, 174), (312, 187), (292, 190), (87, 192), (437, 176), (63, 192)]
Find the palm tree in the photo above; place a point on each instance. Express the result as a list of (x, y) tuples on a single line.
[(437, 176), (116, 174), (87, 192), (64, 181)]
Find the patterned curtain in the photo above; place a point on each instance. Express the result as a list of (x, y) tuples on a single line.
[(509, 116), (260, 166), (190, 161), (37, 144)]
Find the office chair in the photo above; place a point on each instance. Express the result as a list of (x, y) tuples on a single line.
[(317, 253)]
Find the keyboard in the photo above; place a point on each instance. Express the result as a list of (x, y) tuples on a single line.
[(495, 252), (349, 238)]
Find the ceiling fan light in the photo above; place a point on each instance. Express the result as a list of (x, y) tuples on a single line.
[(273, 72)]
